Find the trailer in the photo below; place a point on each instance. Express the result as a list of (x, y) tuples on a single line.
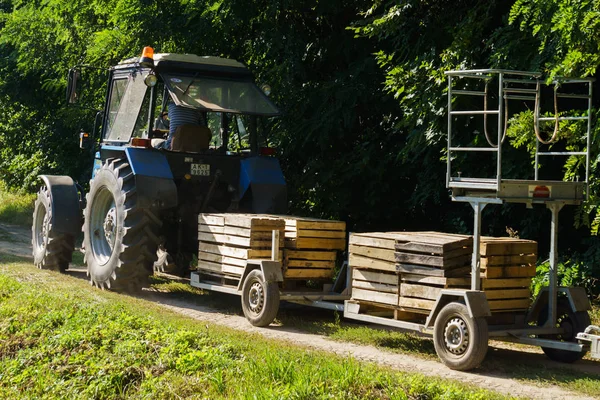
[(459, 312)]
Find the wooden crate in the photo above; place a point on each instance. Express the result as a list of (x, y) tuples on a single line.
[(314, 234), (407, 270), (311, 247), (308, 264), (227, 241)]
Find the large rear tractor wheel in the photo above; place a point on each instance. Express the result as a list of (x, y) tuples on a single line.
[(460, 341), (573, 323), (51, 250), (260, 299), (120, 238)]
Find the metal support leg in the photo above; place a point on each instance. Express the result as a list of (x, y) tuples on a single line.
[(553, 285), (475, 261)]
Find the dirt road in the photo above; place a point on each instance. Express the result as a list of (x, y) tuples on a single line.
[(16, 241)]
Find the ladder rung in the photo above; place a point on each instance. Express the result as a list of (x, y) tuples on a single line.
[(573, 96), (468, 92), (562, 118), (474, 112), (494, 149), (513, 97), (562, 153), (518, 90)]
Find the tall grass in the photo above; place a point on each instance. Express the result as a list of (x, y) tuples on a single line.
[(16, 207), (59, 338)]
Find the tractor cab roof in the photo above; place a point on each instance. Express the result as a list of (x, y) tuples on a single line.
[(208, 83)]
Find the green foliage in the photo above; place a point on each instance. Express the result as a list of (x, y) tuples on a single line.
[(60, 338), (16, 207)]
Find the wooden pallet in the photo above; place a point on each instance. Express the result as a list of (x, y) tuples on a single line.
[(308, 264), (227, 241)]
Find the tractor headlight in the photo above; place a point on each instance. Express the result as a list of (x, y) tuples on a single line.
[(266, 89), (150, 80)]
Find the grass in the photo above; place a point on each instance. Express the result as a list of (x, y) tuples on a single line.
[(60, 338), (16, 208)]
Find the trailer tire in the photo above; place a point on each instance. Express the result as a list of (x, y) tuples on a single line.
[(574, 322), (51, 250), (120, 238), (460, 341), (260, 299)]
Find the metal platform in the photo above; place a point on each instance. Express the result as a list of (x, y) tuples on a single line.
[(519, 190)]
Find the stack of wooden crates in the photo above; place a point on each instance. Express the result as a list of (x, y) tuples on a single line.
[(406, 271), (308, 246)]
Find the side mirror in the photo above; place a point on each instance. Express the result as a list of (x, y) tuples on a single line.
[(85, 141), (72, 89)]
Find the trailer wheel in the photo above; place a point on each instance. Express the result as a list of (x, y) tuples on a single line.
[(51, 250), (120, 238), (573, 323), (260, 299), (460, 341)]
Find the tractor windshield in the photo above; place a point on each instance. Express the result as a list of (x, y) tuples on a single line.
[(220, 95)]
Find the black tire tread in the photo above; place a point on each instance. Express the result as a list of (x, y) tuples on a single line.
[(136, 258), (59, 248)]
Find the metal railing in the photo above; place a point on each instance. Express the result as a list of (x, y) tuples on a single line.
[(511, 85)]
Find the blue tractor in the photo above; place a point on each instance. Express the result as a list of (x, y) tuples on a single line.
[(146, 192)]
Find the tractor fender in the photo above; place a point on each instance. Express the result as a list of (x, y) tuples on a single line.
[(475, 300), (154, 182), (578, 301), (271, 271), (64, 199), (261, 179)]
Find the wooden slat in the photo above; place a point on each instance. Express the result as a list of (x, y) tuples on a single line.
[(413, 303), (236, 240), (434, 280), (508, 294), (375, 296), (211, 228), (308, 273), (373, 252), (310, 255), (424, 242), (509, 272), (253, 221), (380, 243), (317, 244), (370, 263), (500, 246), (528, 259), (431, 271), (313, 233), (505, 283), (380, 287), (432, 261), (420, 291), (217, 267), (234, 251), (309, 263), (375, 276), (313, 223), (210, 219), (518, 304)]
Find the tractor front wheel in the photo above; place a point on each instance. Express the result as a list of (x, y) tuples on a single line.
[(120, 238), (51, 250)]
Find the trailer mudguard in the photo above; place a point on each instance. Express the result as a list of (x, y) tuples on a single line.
[(262, 179), (578, 301), (475, 300), (271, 271), (65, 204), (153, 177)]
